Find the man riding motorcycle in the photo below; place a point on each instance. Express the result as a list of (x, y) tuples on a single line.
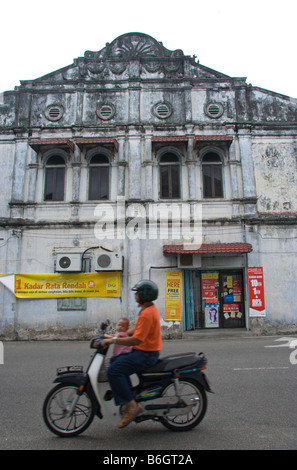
[(145, 339)]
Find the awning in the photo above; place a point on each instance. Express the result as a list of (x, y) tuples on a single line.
[(213, 138), (209, 248), (227, 139), (96, 140), (37, 143), (170, 139)]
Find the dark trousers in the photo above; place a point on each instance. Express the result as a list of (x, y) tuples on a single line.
[(125, 365)]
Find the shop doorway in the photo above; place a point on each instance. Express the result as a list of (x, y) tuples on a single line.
[(214, 299)]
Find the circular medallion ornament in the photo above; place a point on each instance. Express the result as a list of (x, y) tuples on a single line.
[(54, 112), (214, 110), (105, 111), (162, 110)]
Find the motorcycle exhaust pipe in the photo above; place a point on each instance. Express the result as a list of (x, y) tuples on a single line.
[(165, 407)]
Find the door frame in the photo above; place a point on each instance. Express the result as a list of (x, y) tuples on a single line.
[(230, 272), (191, 309)]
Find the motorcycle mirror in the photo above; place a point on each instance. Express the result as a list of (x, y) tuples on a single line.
[(104, 325)]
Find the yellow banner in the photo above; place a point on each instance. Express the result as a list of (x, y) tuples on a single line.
[(173, 296), (40, 286)]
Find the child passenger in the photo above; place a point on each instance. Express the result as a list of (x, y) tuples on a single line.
[(122, 327)]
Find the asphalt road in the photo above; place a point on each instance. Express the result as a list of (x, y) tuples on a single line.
[(254, 405)]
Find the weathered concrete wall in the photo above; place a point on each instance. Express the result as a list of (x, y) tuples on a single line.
[(274, 248), (131, 77), (275, 173)]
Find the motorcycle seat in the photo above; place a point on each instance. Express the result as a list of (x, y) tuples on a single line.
[(175, 361)]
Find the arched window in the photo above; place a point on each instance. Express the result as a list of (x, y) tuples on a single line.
[(169, 176), (212, 175), (99, 177), (54, 179)]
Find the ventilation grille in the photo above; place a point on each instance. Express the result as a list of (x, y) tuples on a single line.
[(214, 110), (162, 110), (54, 112), (105, 111)]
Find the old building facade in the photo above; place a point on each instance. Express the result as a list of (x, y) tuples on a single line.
[(139, 162)]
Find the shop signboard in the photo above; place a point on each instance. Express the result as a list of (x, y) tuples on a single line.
[(256, 292), (173, 296), (38, 286)]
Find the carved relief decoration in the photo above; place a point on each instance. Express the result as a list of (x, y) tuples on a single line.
[(152, 56)]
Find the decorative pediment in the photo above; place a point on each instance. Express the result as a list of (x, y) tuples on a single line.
[(138, 46), (151, 55), (133, 55)]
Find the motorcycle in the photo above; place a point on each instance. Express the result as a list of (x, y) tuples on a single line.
[(172, 392)]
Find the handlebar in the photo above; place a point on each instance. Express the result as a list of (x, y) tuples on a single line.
[(96, 344)]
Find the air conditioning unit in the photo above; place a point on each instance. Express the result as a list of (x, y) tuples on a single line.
[(109, 262), (70, 262), (189, 260)]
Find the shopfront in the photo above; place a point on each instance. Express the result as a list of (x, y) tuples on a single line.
[(214, 299), (214, 284)]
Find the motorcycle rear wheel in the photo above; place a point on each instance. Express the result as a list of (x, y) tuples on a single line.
[(55, 408), (187, 421)]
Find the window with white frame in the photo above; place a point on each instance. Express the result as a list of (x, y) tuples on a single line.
[(212, 175), (170, 176), (54, 178), (99, 169)]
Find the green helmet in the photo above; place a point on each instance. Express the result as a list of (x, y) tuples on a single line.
[(147, 291)]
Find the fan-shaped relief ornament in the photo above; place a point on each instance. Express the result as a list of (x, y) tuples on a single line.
[(114, 58), (139, 45), (132, 47)]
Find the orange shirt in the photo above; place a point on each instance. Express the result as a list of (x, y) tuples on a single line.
[(148, 330)]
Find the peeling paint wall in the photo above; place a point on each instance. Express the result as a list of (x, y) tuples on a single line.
[(114, 95), (275, 171)]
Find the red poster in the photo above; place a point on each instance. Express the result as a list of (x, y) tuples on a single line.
[(256, 292), (208, 288), (236, 287), (230, 308)]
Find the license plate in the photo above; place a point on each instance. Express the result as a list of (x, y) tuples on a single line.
[(69, 370)]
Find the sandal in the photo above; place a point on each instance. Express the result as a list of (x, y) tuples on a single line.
[(129, 414)]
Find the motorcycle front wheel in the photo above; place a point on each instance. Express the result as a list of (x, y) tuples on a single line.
[(193, 391), (56, 406)]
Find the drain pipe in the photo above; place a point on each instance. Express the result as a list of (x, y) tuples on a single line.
[(160, 267)]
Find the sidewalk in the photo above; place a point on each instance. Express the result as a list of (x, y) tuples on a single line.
[(219, 333)]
